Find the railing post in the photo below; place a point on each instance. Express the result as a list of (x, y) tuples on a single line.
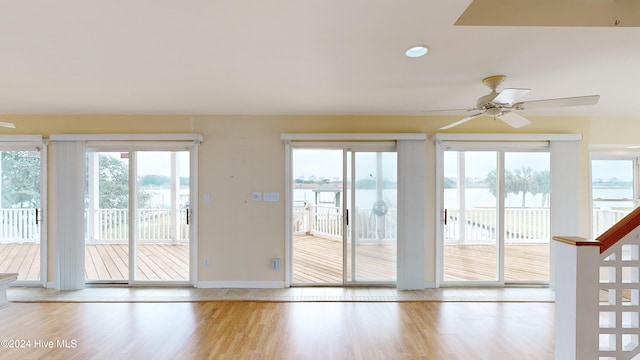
[(577, 286)]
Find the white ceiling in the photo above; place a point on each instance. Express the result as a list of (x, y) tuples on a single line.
[(295, 57)]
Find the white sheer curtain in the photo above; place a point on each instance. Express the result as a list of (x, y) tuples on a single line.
[(411, 213), (69, 214)]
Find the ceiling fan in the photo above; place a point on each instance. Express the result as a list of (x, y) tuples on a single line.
[(7, 125), (502, 105)]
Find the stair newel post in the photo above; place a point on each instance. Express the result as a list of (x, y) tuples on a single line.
[(576, 291)]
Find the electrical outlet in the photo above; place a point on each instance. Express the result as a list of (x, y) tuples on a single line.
[(206, 263), (275, 264)]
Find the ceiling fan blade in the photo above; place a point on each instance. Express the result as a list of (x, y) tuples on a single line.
[(559, 102), (445, 110), (7, 125), (514, 119), (462, 121), (509, 96)]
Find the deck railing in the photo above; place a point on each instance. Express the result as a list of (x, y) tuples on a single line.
[(153, 225), (109, 226), (18, 225), (326, 222), (522, 225)]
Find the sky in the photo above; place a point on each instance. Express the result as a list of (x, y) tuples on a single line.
[(479, 163), (328, 164), (607, 169), (158, 162)]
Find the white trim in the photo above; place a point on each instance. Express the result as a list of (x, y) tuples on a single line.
[(439, 214), (288, 212), (496, 146), (194, 198), (139, 145), (126, 137), (430, 285), (339, 145), (604, 147), (21, 138), (614, 154), (240, 284), (44, 214), (506, 137), (352, 136)]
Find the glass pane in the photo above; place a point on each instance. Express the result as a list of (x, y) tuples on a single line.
[(526, 216), (162, 241), (317, 216), (612, 192), (470, 236), (19, 229), (107, 216), (372, 253)]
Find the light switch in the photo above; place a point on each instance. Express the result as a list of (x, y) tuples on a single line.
[(206, 198), (271, 196)]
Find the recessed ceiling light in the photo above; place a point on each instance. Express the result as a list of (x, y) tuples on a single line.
[(416, 51)]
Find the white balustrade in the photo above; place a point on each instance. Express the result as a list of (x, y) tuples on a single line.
[(154, 225), (598, 294), (619, 300), (522, 225), (18, 225)]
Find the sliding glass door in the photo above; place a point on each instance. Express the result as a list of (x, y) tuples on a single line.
[(496, 216), (20, 213), (137, 216), (471, 216), (344, 216), (371, 237)]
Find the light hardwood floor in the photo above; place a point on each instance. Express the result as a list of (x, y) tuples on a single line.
[(267, 330)]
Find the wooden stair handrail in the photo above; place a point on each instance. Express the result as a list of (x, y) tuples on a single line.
[(619, 230)]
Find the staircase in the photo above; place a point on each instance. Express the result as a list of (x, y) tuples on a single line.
[(598, 294)]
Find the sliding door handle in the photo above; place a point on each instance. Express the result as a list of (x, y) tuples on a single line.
[(37, 220), (346, 216), (187, 216), (445, 216)]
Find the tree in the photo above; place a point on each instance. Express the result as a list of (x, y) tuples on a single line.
[(113, 184), (542, 185), (20, 179), (492, 182), (522, 181)]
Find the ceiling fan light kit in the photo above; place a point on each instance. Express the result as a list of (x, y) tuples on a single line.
[(501, 105)]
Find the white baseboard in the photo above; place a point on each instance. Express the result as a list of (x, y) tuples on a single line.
[(241, 284), (430, 285)]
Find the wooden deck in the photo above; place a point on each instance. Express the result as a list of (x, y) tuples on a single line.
[(108, 262), (316, 261), (478, 262), (319, 261)]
